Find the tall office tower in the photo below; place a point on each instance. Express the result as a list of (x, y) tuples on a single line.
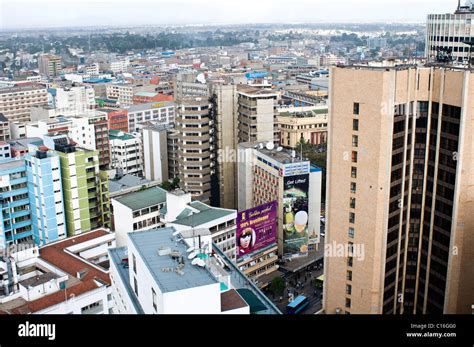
[(224, 100), (195, 142), (85, 188), (46, 197), (450, 32), (400, 185), (15, 219), (92, 133), (49, 65), (257, 113), (4, 128), (16, 102)]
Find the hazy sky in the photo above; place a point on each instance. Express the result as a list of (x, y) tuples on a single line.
[(62, 13)]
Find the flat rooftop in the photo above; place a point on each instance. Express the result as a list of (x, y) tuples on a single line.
[(142, 199), (231, 300), (206, 214), (149, 242)]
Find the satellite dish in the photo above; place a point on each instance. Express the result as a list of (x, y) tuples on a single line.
[(260, 145), (270, 145), (195, 261), (192, 255), (200, 263), (190, 249), (201, 78), (279, 149)]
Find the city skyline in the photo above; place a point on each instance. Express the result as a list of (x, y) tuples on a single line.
[(47, 13)]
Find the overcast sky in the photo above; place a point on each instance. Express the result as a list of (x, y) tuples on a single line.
[(63, 13)]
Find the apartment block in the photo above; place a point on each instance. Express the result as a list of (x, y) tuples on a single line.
[(15, 219), (49, 65), (46, 196), (16, 102), (85, 189), (126, 154)]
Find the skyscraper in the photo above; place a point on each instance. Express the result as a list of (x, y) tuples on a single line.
[(400, 190)]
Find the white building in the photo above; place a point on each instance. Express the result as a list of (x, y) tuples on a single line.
[(137, 211), (160, 112), (155, 207), (73, 101), (155, 152), (155, 274), (65, 277), (126, 155)]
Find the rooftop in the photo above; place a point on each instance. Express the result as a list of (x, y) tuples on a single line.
[(206, 214), (231, 300), (120, 135), (127, 181), (149, 242), (149, 105), (145, 198), (22, 88)]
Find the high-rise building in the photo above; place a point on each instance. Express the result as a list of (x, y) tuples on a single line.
[(49, 65), (46, 196), (85, 189), (256, 114), (15, 219), (195, 142), (224, 101), (450, 32), (400, 190), (16, 102)]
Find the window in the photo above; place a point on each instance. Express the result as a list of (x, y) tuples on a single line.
[(353, 172), (348, 302), (350, 247), (153, 297), (348, 289), (134, 262), (355, 140), (352, 202), (354, 157), (356, 108), (135, 285), (349, 261), (351, 233), (351, 217), (349, 275), (353, 187), (355, 124)]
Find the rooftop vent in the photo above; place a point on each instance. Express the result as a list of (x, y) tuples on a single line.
[(164, 251)]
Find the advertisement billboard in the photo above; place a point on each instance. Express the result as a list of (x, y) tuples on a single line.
[(256, 229), (295, 216)]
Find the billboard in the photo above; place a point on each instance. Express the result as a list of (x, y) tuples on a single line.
[(256, 229), (295, 216)]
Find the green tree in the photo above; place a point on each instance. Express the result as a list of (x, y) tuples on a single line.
[(277, 286)]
